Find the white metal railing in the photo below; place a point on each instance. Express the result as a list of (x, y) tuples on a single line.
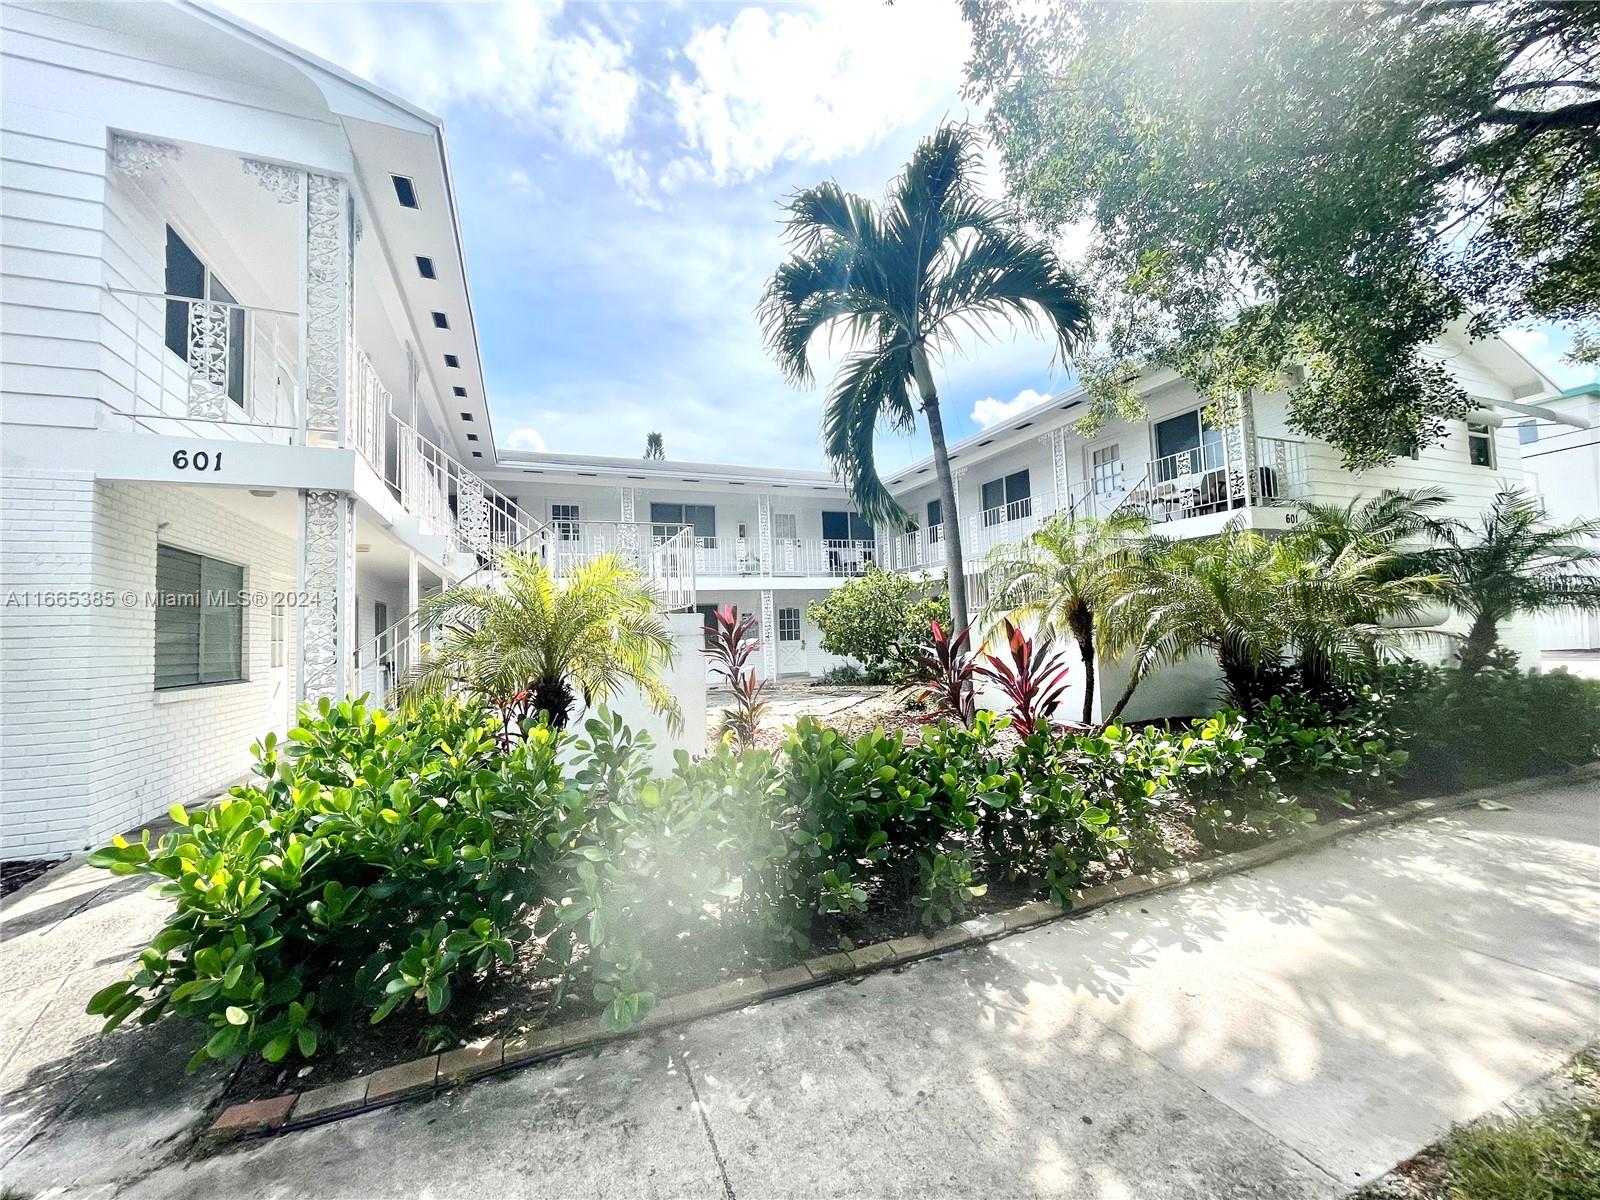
[(1280, 471), (201, 367), (446, 498), (393, 654), (369, 413)]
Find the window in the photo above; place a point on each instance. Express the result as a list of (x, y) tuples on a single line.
[(708, 615), (199, 620), (1528, 432), (666, 519), (1480, 445), (1189, 432), (1006, 499), (405, 191), (1105, 469), (459, 391), (280, 633), (935, 520), (788, 624), (451, 360), (565, 518), (425, 267), (785, 527), (186, 275), (440, 321), (846, 527)]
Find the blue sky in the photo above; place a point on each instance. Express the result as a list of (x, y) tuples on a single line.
[(619, 170)]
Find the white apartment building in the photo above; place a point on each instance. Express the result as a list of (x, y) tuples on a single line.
[(238, 359), (1562, 459)]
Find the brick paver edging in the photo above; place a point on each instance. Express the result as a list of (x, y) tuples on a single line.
[(423, 1076)]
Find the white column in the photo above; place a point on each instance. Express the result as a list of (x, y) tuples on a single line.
[(628, 530), (327, 317), (327, 586), (769, 637)]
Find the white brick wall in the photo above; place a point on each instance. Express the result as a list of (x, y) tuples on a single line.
[(90, 748)]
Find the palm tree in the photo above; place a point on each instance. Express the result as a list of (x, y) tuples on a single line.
[(528, 645), (654, 448), (1261, 605), (1514, 562), (1382, 521), (1066, 576), (901, 279)]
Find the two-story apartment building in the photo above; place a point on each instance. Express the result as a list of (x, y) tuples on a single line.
[(245, 430), (1562, 460), (243, 406)]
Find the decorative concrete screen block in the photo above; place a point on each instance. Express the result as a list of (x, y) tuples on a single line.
[(327, 576), (282, 182), (329, 303)]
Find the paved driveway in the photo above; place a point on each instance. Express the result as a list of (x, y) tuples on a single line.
[(1289, 1032)]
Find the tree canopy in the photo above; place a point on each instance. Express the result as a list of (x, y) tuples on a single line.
[(1328, 185)]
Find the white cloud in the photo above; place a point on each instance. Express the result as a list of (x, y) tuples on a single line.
[(989, 411), (503, 57), (525, 439), (1547, 346), (813, 85)]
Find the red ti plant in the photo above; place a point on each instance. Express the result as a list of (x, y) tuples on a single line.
[(1035, 681), (945, 671), (733, 644)]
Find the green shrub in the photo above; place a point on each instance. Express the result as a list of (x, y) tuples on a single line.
[(1500, 723), (865, 810), (881, 620), (372, 864)]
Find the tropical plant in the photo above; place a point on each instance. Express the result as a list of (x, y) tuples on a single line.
[(878, 618), (904, 277), (1514, 562), (733, 644), (1273, 612), (372, 865), (1387, 520), (946, 669), (1326, 186), (654, 448), (1065, 576), (1034, 681), (530, 645)]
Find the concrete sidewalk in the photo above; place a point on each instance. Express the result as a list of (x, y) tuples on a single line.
[(1289, 1032)]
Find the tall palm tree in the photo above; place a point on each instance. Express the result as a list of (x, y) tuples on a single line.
[(901, 279), (1514, 562), (1066, 575), (529, 645)]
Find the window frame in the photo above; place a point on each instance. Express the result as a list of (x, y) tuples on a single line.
[(201, 627), (1481, 431), (566, 518), (784, 620), (1114, 475), (665, 527), (999, 514)]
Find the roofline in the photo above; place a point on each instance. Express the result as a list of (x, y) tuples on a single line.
[(223, 16), (209, 10), (667, 470)]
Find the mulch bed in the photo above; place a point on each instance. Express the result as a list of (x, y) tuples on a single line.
[(22, 871)]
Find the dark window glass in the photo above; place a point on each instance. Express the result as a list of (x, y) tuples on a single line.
[(934, 509), (186, 276), (708, 614), (404, 191), (1480, 445), (425, 267)]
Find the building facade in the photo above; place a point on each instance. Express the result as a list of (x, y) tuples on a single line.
[(245, 431)]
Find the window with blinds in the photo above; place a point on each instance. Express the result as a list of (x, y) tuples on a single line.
[(199, 619)]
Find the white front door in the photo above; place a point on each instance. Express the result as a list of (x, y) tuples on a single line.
[(1103, 465), (791, 642)]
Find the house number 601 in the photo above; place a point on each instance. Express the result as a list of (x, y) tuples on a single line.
[(200, 460)]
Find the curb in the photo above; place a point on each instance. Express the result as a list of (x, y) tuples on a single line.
[(424, 1076)]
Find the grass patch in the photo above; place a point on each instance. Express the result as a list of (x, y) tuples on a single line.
[(1553, 1155)]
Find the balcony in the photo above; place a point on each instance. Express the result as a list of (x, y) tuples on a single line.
[(1209, 479), (575, 542)]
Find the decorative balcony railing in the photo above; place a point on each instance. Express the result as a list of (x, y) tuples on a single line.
[(1211, 479), (206, 368)]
